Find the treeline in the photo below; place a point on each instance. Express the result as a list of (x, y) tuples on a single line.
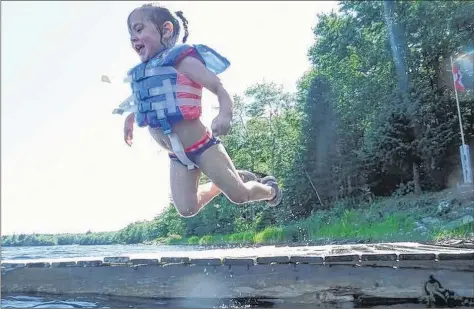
[(375, 115), (89, 238)]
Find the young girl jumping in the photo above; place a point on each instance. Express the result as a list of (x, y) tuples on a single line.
[(166, 97)]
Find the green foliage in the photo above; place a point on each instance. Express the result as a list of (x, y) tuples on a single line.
[(463, 232)]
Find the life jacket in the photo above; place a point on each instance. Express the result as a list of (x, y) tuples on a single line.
[(162, 96)]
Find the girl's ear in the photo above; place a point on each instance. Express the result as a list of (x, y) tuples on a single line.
[(168, 30)]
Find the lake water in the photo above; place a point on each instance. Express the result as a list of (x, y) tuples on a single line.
[(75, 251)]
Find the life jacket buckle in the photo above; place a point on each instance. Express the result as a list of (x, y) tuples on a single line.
[(139, 72), (142, 94), (144, 107)]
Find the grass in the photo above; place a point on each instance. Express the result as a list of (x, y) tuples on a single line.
[(463, 232), (394, 227), (388, 219)]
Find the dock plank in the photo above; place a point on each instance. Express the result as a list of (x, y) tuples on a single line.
[(325, 273)]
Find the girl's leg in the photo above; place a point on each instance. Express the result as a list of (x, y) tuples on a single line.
[(217, 165), (189, 197)]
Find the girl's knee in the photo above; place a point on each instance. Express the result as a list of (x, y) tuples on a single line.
[(187, 212)]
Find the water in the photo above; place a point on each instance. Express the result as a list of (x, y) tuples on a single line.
[(47, 253), (76, 251), (39, 302)]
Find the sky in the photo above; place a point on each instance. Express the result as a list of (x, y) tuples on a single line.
[(64, 165)]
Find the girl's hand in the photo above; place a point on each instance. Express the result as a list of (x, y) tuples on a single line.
[(128, 129), (221, 125)]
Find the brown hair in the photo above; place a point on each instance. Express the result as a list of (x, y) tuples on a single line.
[(158, 15)]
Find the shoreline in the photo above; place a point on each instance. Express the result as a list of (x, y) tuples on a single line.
[(431, 218)]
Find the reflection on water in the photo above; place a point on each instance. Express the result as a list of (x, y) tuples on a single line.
[(38, 302), (102, 302)]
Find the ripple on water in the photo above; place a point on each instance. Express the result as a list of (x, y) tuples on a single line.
[(21, 301), (38, 302)]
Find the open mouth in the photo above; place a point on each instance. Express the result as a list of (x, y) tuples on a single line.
[(139, 48)]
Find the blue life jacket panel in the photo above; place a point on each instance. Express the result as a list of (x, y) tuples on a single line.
[(164, 96)]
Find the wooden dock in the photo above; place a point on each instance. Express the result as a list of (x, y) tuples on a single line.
[(333, 275)]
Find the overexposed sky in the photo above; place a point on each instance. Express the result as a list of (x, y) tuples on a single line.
[(65, 167)]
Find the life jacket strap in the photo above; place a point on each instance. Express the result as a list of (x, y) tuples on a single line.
[(126, 106), (178, 150)]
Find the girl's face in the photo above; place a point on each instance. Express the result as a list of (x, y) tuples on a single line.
[(145, 38)]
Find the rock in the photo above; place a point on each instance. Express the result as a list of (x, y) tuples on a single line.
[(431, 221), (459, 222), (467, 210), (421, 230), (444, 207), (460, 212), (453, 215)]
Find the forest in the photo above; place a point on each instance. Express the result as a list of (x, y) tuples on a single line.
[(366, 149)]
